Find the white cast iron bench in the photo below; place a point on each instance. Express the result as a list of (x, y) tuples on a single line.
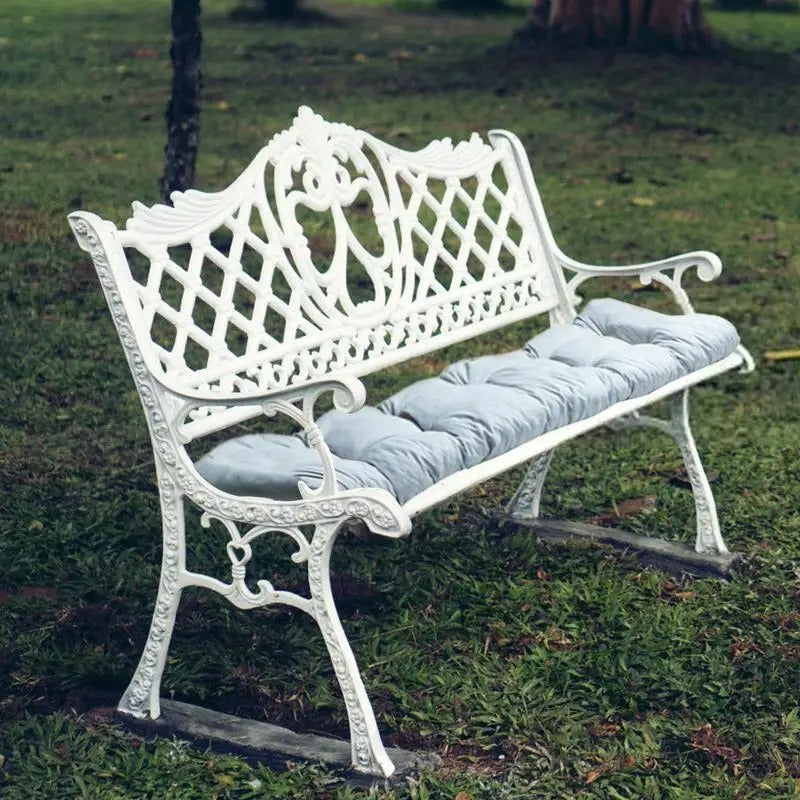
[(241, 303)]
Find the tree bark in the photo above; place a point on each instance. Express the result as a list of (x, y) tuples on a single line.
[(183, 110), (677, 23)]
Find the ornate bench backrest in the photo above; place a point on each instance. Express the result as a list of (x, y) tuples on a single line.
[(333, 254)]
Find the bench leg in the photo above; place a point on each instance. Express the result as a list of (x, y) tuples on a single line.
[(368, 753), (141, 698), (524, 505), (709, 538)]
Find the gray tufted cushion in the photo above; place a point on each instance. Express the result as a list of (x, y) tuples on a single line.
[(480, 408)]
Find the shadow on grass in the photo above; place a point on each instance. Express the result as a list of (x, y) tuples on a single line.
[(777, 6), (288, 12)]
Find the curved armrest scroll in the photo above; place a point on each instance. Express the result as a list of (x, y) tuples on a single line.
[(349, 394), (297, 403), (668, 272)]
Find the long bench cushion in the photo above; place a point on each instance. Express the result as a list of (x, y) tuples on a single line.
[(480, 408)]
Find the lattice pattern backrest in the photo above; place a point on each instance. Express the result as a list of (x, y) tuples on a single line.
[(333, 252)]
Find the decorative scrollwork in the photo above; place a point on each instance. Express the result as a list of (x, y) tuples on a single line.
[(141, 697), (240, 552), (455, 253), (377, 508)]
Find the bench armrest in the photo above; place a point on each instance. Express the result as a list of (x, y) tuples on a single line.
[(668, 272), (198, 413), (349, 394), (212, 411), (375, 507)]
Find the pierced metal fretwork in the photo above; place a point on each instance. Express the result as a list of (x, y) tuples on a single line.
[(233, 298)]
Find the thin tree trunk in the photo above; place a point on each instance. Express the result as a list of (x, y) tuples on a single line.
[(678, 23), (183, 110)]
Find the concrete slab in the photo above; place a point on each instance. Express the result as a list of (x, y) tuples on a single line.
[(267, 743), (670, 556)]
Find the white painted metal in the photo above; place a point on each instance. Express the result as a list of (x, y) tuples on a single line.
[(217, 333), (709, 537), (447, 217), (524, 505), (325, 510)]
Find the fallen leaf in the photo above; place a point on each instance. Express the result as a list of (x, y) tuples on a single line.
[(681, 478), (643, 201), (556, 638), (604, 728), (742, 647), (600, 202), (592, 776), (707, 740), (781, 355), (145, 52), (462, 796), (636, 505), (676, 593), (360, 58), (223, 105), (626, 508)]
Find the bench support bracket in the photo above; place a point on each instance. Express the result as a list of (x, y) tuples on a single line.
[(709, 538), (524, 505), (141, 699)]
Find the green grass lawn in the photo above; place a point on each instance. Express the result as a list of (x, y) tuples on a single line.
[(534, 671)]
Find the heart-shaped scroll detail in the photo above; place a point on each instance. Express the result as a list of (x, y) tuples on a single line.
[(234, 548)]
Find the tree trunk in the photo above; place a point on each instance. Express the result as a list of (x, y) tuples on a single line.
[(678, 23), (183, 109)]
